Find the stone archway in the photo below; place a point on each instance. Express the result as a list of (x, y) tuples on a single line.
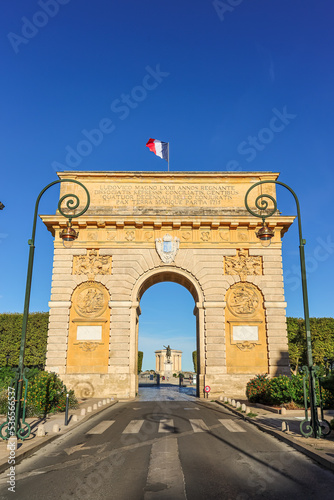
[(146, 227), (183, 278)]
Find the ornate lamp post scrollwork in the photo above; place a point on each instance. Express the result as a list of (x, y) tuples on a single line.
[(265, 234), (67, 235)]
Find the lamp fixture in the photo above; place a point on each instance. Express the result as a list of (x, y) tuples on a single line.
[(265, 234), (68, 235)]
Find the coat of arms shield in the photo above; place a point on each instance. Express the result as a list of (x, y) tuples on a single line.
[(167, 248)]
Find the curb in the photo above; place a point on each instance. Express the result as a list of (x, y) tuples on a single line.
[(318, 456), (48, 439)]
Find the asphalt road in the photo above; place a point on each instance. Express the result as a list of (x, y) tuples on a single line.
[(168, 450)]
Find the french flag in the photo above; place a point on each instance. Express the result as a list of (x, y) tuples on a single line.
[(159, 148)]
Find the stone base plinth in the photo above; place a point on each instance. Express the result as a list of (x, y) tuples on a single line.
[(93, 385)]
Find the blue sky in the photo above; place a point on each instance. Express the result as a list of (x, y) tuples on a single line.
[(224, 70)]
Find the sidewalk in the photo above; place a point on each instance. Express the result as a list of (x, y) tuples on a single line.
[(87, 408), (286, 428)]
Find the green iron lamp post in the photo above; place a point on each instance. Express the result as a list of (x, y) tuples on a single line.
[(67, 235), (265, 234)]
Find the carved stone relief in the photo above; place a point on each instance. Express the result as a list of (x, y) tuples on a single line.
[(111, 235), (243, 299), (130, 235), (167, 248), (92, 263), (92, 236), (224, 235), (205, 235), (243, 265), (91, 300), (246, 345), (88, 346)]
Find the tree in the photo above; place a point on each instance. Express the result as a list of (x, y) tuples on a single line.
[(140, 360), (195, 361), (322, 336)]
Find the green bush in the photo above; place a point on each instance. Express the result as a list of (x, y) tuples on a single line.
[(280, 390), (47, 394), (327, 390), (297, 389), (257, 389)]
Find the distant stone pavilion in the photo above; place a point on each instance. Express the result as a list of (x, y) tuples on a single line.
[(167, 367)]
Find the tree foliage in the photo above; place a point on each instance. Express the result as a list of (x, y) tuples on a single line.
[(195, 361), (140, 360), (10, 338), (322, 335)]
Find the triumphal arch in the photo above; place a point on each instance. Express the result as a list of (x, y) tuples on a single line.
[(142, 228)]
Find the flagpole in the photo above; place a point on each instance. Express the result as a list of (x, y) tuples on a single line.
[(168, 156)]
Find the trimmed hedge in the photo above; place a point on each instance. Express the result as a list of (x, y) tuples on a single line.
[(10, 338), (282, 389), (140, 361)]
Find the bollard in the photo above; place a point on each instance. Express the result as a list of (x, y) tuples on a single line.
[(83, 412), (233, 402), (40, 431), (99, 404), (238, 404), (94, 406), (55, 428), (225, 399), (104, 402), (229, 400), (243, 407), (75, 418), (89, 409), (66, 409), (285, 426), (108, 400)]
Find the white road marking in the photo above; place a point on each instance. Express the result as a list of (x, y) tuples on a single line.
[(166, 425), (101, 427), (165, 469), (231, 425), (198, 425), (191, 408), (133, 427)]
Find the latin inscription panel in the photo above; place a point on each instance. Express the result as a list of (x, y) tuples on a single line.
[(161, 195)]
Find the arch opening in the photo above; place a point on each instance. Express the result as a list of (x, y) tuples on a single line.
[(169, 310)]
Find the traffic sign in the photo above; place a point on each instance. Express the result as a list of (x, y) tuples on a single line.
[(207, 388)]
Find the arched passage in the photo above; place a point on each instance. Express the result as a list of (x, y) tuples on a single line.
[(189, 282)]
